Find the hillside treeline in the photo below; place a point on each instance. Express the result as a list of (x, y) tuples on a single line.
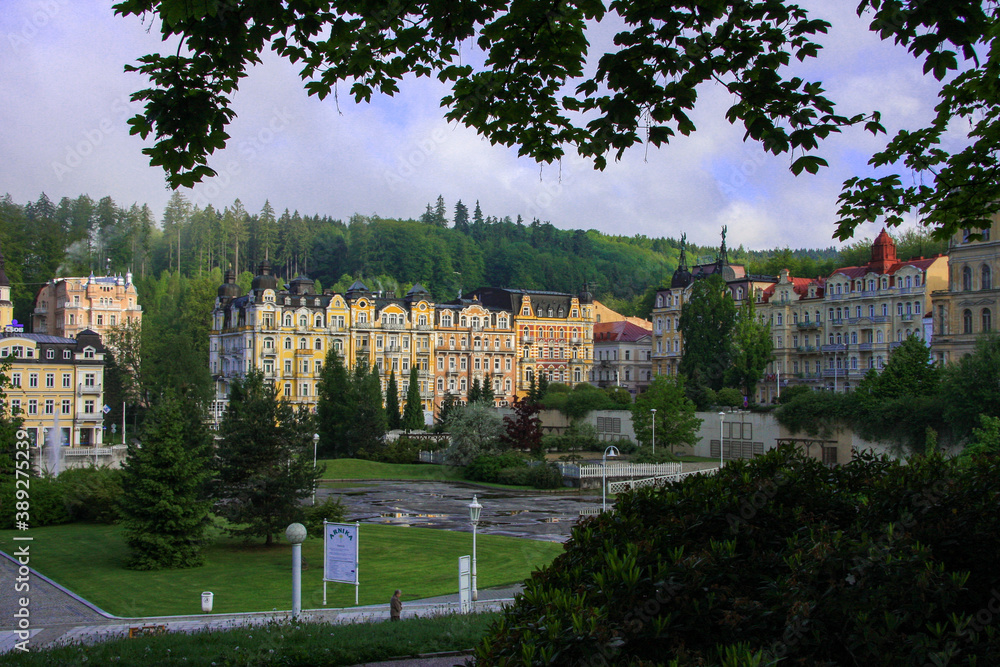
[(446, 249)]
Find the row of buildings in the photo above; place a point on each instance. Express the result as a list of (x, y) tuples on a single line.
[(828, 332), (57, 371)]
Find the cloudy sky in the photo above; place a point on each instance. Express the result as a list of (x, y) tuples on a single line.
[(63, 132)]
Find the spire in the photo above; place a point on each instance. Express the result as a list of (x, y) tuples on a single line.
[(723, 255), (682, 265)]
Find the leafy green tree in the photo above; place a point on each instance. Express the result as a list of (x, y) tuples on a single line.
[(909, 371), (165, 502), (334, 407), (676, 422), (475, 431), (392, 416), (729, 397), (985, 439), (707, 321), (752, 349), (413, 413), (533, 90), (265, 465), (971, 387)]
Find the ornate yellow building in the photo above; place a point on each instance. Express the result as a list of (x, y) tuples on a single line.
[(66, 306), (54, 379), (496, 335)]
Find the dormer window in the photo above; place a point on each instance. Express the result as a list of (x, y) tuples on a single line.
[(88, 353), (67, 354)]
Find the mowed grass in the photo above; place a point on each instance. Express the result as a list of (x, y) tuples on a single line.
[(360, 469), (89, 560)]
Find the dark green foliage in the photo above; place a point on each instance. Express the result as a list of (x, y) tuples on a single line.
[(488, 397), (333, 407), (265, 464), (448, 406), (10, 423), (367, 425), (789, 394), (331, 509), (488, 468), (413, 413), (93, 494), (676, 423), (48, 502), (776, 559), (910, 371), (400, 450), (393, 420), (815, 413), (164, 503), (619, 396), (582, 400), (578, 437), (972, 387), (729, 397), (475, 392), (707, 321)]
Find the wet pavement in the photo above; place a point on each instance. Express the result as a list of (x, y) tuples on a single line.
[(442, 505)]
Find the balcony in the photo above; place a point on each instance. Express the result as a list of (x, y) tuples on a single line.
[(865, 347), (837, 322), (395, 326), (808, 325), (880, 319), (82, 389), (527, 340), (908, 317), (425, 327), (807, 348), (364, 325), (835, 372), (836, 347), (576, 341)]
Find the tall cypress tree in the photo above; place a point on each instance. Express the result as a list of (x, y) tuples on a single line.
[(165, 503), (334, 406), (475, 392), (392, 416), (413, 413)]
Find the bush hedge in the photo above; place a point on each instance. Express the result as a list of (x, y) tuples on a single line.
[(779, 559), (77, 494)]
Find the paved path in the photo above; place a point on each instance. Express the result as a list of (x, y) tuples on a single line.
[(60, 616)]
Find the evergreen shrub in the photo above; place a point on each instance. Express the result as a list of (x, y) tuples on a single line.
[(47, 507), (776, 560)]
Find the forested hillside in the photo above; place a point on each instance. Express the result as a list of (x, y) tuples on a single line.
[(444, 249)]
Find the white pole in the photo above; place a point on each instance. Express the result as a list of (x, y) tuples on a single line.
[(296, 579), (123, 422), (722, 421), (778, 376), (475, 591), (653, 410)]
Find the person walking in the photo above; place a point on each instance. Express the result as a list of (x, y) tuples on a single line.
[(395, 606)]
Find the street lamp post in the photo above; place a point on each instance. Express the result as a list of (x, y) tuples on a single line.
[(653, 410), (474, 510), (296, 534), (722, 422), (315, 443), (610, 451)]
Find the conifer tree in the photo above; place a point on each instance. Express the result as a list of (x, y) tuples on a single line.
[(413, 413), (487, 397), (447, 407), (392, 416), (334, 405), (462, 217), (165, 502), (475, 392), (368, 422), (265, 464)]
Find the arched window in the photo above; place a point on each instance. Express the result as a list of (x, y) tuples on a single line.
[(967, 321), (987, 319), (909, 281), (288, 320), (303, 345), (879, 338), (288, 343), (986, 281), (317, 344), (319, 321), (854, 338), (966, 279)]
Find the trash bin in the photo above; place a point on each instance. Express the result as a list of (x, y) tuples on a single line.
[(206, 601)]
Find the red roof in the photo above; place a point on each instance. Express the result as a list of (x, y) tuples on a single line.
[(621, 332)]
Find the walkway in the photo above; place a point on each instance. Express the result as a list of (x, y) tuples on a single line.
[(60, 616)]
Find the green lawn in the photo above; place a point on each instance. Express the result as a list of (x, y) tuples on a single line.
[(359, 469), (87, 559)]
